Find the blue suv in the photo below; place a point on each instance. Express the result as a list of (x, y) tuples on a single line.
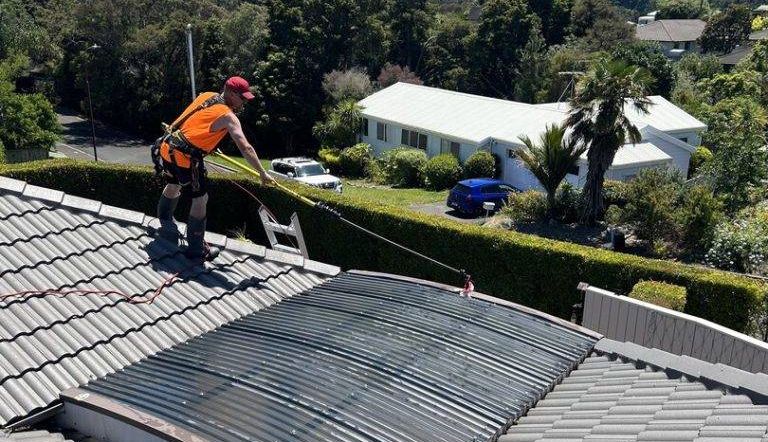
[(468, 196)]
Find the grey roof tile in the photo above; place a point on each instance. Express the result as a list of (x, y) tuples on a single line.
[(52, 241), (32, 436), (646, 404)]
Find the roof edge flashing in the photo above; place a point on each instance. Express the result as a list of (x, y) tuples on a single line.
[(12, 185)]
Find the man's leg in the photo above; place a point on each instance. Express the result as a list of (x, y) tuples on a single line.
[(196, 247), (165, 208)]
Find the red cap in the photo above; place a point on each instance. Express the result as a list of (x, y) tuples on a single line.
[(240, 86)]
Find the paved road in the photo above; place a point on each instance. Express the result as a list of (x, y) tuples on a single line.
[(112, 145)]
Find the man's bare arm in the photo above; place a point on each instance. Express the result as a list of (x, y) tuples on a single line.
[(232, 124)]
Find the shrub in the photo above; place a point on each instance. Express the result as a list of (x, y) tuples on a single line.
[(354, 161), (741, 244), (2, 153), (670, 296), (401, 166), (698, 214), (522, 269), (481, 164), (441, 172), (700, 158), (528, 206), (615, 192), (352, 84), (568, 203), (650, 204), (330, 159)]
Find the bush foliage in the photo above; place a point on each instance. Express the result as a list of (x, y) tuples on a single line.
[(528, 206), (523, 264), (441, 172), (480, 164), (354, 161), (402, 166), (670, 296), (330, 157)]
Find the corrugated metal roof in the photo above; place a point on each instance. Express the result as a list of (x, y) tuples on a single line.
[(671, 30), (474, 119), (358, 358), (49, 240), (615, 398), (636, 154)]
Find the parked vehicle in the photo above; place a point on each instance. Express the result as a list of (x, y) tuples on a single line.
[(468, 196), (307, 171)]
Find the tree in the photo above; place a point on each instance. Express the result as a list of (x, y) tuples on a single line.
[(341, 127), (391, 74), (551, 159), (648, 55), (26, 121), (598, 119), (352, 84), (732, 85), (20, 34), (681, 9), (446, 57), (505, 26), (727, 29), (736, 136), (555, 18), (533, 68), (408, 23), (698, 67)]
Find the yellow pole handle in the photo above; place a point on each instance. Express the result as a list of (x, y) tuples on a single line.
[(249, 170)]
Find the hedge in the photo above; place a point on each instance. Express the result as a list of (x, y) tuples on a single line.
[(522, 268), (660, 293)]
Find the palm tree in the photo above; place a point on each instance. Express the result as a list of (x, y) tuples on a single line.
[(551, 159), (597, 119)]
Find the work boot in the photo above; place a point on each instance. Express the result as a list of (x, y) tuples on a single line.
[(168, 229), (197, 248)]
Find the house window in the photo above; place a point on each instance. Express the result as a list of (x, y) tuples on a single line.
[(574, 170), (413, 139), (687, 45), (683, 139), (365, 127), (448, 146), (677, 45), (511, 154), (381, 131)]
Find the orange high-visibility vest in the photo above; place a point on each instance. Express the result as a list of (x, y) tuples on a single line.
[(197, 129)]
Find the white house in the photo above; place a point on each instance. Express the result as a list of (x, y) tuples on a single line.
[(676, 37), (441, 121)]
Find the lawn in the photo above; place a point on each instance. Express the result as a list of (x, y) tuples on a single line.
[(366, 190)]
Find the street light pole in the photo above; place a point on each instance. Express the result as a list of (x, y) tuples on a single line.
[(191, 60), (90, 105)]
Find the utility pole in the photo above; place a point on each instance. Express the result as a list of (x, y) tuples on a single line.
[(191, 60), (90, 103)]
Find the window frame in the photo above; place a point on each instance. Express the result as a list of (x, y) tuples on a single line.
[(365, 127), (381, 131)]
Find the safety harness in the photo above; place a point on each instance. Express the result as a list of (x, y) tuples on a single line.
[(174, 137)]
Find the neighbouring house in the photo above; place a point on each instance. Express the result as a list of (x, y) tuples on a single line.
[(442, 121), (676, 37), (271, 346), (761, 10), (743, 50)]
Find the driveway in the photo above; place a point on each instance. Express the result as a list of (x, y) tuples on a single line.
[(440, 209), (112, 145)]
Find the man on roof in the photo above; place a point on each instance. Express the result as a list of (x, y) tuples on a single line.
[(194, 134)]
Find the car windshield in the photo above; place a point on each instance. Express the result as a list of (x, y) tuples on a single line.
[(460, 188), (310, 170)]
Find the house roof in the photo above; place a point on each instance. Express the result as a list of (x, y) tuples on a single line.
[(671, 30), (640, 396), (637, 154), (736, 55), (359, 357), (475, 119), (49, 240), (33, 436)]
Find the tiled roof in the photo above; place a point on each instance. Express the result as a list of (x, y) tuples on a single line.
[(33, 436), (360, 357), (49, 240), (671, 30), (610, 397)]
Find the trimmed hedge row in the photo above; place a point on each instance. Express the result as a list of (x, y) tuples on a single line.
[(660, 293), (530, 270)]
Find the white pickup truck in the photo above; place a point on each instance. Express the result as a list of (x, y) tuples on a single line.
[(307, 171)]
